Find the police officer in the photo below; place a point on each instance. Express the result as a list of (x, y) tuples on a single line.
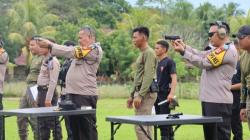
[(167, 81), (3, 64), (47, 95), (81, 84), (141, 96), (243, 36), (27, 101), (218, 67)]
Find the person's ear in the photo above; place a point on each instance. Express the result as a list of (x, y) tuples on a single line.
[(144, 37)]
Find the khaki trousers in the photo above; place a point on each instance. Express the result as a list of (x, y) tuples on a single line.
[(145, 109)]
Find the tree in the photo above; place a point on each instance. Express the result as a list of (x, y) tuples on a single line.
[(25, 19), (237, 21)]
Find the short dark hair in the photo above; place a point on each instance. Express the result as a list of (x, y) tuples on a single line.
[(221, 24), (142, 29), (163, 43)]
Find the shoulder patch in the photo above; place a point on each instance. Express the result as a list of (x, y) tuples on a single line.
[(216, 56)]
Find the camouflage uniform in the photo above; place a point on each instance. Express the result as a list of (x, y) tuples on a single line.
[(27, 101), (245, 81)]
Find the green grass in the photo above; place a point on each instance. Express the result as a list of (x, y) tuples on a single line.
[(117, 107), (183, 90)]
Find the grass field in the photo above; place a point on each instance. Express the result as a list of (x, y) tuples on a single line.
[(116, 107)]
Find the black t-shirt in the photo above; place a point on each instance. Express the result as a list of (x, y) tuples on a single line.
[(236, 93), (165, 68), (237, 76)]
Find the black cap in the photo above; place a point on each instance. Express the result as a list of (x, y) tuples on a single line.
[(221, 23), (244, 30)]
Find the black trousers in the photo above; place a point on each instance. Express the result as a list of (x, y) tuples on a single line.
[(166, 131), (83, 126), (1, 118), (67, 122), (223, 131), (235, 119)]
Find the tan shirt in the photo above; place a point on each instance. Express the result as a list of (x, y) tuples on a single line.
[(48, 75), (215, 82), (81, 76), (3, 65)]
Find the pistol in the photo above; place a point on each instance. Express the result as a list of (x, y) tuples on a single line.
[(172, 37)]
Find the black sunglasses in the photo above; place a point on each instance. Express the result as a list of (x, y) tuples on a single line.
[(210, 34)]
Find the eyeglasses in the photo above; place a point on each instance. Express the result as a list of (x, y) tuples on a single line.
[(210, 34)]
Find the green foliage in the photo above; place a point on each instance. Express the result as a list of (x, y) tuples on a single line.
[(119, 55)]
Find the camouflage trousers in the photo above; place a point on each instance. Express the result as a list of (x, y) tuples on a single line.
[(48, 124), (145, 109), (26, 102)]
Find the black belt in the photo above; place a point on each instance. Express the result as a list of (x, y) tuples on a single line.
[(43, 87)]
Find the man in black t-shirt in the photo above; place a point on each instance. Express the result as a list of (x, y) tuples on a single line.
[(167, 80)]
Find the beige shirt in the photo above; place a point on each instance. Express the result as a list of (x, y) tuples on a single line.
[(215, 82), (3, 65), (48, 75), (81, 76)]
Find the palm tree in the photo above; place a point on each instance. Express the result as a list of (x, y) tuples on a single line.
[(237, 21), (28, 18)]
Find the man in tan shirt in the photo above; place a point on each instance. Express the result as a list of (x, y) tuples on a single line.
[(81, 83), (47, 95), (3, 64), (218, 66)]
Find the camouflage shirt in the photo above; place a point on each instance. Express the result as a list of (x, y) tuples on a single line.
[(245, 73), (34, 69)]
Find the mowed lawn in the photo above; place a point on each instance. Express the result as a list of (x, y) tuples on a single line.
[(117, 107)]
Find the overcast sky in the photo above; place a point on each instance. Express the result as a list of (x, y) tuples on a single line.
[(244, 4)]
